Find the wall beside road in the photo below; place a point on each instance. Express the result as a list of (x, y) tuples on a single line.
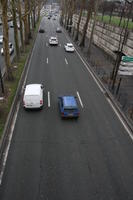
[(107, 36)]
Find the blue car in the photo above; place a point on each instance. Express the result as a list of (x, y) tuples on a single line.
[(68, 107)]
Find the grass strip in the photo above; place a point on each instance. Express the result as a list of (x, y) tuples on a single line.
[(11, 86)]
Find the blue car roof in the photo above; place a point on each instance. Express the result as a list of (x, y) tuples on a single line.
[(69, 102)]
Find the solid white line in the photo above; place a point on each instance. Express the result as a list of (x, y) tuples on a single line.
[(49, 99), (80, 99), (66, 61), (118, 115), (121, 120), (46, 44), (86, 65), (9, 143), (47, 60), (14, 121)]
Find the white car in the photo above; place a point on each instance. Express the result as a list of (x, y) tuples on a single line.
[(11, 49), (33, 96), (69, 47), (1, 39), (53, 41)]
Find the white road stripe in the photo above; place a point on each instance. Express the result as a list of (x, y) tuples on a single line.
[(66, 61), (121, 120), (118, 115), (46, 44), (80, 99), (9, 143), (47, 60), (49, 99)]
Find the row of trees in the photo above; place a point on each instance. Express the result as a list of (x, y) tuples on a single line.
[(92, 7), (25, 13), (69, 7)]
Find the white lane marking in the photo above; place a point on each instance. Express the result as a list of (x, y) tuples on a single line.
[(80, 99), (46, 44), (49, 99), (47, 61), (14, 120), (59, 45), (121, 120), (118, 115), (86, 65), (9, 143), (66, 61)]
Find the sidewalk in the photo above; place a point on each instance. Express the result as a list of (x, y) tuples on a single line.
[(102, 65)]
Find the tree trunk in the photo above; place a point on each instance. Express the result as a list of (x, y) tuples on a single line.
[(25, 19), (4, 4), (21, 25), (78, 24), (15, 29), (89, 14)]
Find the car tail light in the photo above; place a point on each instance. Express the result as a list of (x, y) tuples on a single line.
[(41, 102), (62, 114)]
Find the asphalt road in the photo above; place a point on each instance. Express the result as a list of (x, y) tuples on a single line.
[(53, 159)]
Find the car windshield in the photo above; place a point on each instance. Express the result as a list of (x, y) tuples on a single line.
[(70, 45)]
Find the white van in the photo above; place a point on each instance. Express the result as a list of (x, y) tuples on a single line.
[(33, 96)]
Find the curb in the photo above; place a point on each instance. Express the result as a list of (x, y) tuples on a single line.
[(6, 133), (106, 93)]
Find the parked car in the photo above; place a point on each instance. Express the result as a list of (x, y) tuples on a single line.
[(58, 30), (11, 24), (69, 47), (33, 96), (11, 49), (53, 41), (68, 107), (41, 30), (1, 39)]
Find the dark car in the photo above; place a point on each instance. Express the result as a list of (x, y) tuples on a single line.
[(58, 30), (41, 30), (68, 107)]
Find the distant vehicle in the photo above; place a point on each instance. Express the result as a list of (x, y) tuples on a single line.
[(53, 41), (49, 17), (1, 39), (54, 18), (11, 24), (11, 49), (33, 96), (68, 107), (58, 30), (41, 30), (69, 47)]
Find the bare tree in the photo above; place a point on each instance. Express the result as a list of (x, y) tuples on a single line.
[(20, 23), (91, 4), (13, 3), (82, 5)]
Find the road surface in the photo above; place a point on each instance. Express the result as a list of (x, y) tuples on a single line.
[(53, 159)]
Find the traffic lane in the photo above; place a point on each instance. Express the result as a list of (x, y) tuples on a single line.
[(94, 92), (59, 85), (106, 121), (72, 193), (109, 129)]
